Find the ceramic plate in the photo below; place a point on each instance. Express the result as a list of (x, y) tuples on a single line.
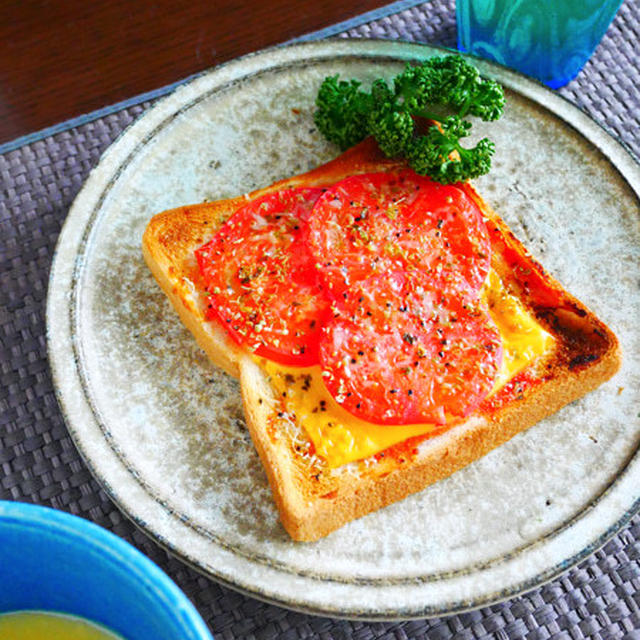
[(163, 430)]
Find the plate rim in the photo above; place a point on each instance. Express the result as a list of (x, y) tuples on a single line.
[(336, 48)]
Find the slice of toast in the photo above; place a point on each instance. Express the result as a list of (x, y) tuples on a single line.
[(314, 499)]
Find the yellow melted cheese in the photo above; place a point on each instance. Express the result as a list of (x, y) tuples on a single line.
[(340, 437), (523, 339)]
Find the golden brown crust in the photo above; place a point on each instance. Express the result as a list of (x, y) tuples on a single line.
[(312, 499)]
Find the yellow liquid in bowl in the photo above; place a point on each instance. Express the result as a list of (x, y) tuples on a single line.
[(40, 625)]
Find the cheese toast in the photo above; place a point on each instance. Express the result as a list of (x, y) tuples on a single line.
[(316, 493)]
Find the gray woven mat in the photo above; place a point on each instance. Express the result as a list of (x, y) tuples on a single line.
[(39, 463)]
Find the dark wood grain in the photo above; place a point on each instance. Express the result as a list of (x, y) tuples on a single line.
[(62, 58)]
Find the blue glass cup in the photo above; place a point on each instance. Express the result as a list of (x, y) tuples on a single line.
[(548, 39)]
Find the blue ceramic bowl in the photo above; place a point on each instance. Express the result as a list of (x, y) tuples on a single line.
[(53, 561)]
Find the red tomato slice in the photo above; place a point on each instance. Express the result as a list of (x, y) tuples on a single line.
[(261, 278), (400, 353), (379, 222)]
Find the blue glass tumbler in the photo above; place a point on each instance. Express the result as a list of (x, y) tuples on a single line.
[(548, 39)]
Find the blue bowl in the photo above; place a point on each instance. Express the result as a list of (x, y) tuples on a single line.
[(53, 561)]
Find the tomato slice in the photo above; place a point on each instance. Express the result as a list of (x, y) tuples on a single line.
[(379, 222), (261, 278), (400, 353)]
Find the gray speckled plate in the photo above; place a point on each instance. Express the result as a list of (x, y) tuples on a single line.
[(163, 430)]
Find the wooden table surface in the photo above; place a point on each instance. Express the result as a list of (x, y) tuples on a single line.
[(62, 58)]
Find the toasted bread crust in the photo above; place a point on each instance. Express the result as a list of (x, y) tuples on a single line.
[(314, 500)]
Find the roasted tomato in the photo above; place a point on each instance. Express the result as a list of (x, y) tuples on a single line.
[(398, 352), (261, 278), (380, 222)]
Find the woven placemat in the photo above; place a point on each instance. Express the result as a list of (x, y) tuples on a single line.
[(599, 599)]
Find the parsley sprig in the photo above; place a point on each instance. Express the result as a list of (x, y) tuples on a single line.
[(445, 89)]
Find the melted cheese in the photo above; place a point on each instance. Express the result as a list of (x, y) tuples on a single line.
[(340, 437), (523, 339)]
